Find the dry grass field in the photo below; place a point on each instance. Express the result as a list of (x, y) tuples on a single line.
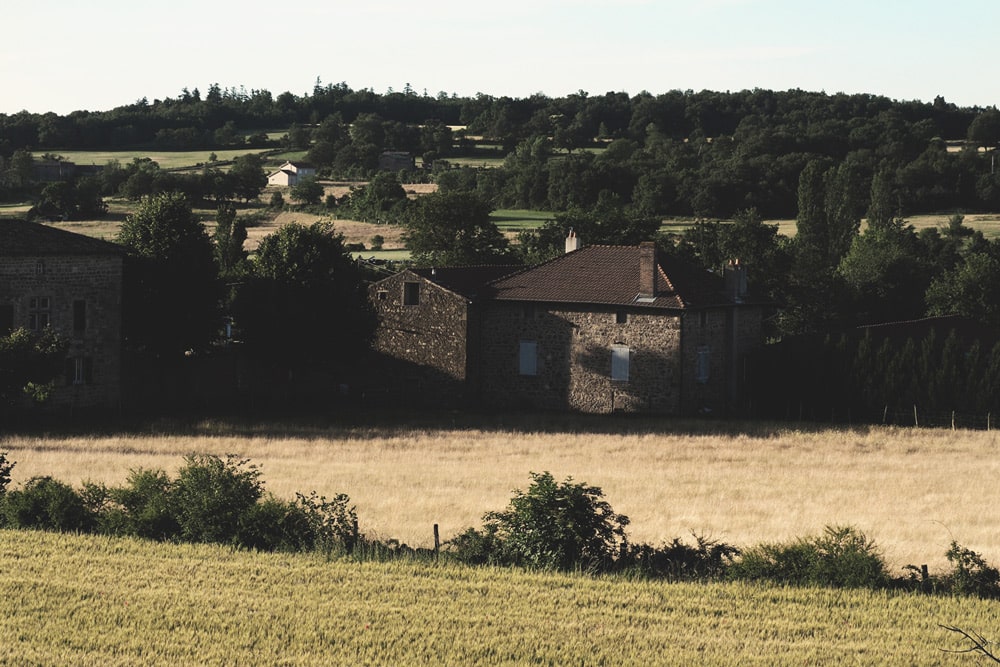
[(912, 490)]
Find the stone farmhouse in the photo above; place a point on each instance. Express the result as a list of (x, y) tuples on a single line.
[(72, 283), (599, 329), (290, 173)]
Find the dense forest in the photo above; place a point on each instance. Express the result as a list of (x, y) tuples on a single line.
[(706, 154)]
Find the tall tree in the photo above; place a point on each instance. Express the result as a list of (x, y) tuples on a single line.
[(172, 288), (304, 306), (453, 229)]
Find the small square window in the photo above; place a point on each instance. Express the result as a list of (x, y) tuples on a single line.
[(621, 317), (411, 294), (382, 295)]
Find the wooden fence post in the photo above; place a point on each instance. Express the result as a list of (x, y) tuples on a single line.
[(437, 541)]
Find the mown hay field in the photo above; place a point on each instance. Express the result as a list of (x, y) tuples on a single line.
[(912, 490), (86, 600)]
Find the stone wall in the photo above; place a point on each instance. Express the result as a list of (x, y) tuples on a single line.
[(69, 292), (574, 358), (421, 347)]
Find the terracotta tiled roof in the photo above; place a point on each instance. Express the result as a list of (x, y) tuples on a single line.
[(609, 275), (29, 238), (469, 281)]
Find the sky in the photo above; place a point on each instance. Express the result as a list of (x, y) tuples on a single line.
[(66, 55)]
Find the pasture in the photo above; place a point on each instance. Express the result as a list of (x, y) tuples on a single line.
[(86, 600), (166, 159), (912, 490)]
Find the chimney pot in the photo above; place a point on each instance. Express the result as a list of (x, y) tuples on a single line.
[(572, 241)]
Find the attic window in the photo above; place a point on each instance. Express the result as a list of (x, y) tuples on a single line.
[(645, 299), (411, 294), (621, 317), (382, 295)]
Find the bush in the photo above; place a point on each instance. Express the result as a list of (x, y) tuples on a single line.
[(706, 559), (333, 524), (841, 557), (5, 469), (211, 495), (971, 574), (143, 507), (47, 504), (275, 525), (552, 525)]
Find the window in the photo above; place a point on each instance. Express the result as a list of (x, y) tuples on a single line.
[(38, 312), (703, 364), (621, 317), (528, 358), (620, 362), (40, 268), (382, 295), (79, 317), (411, 294), (6, 319), (79, 370)]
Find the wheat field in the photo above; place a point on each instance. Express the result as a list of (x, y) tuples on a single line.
[(89, 600), (912, 490)]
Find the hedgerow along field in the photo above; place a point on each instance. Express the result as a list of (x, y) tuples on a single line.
[(86, 600), (912, 490)]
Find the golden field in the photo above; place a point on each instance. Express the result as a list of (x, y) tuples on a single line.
[(912, 490), (86, 600)]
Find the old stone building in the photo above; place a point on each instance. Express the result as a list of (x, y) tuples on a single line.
[(600, 329), (614, 328), (72, 283), (428, 331)]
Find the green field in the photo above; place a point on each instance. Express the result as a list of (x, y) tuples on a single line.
[(516, 220), (83, 600)]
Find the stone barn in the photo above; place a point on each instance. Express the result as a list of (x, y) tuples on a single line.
[(72, 283), (617, 329), (427, 338), (599, 329)]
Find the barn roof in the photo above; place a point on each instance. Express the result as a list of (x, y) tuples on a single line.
[(18, 238), (610, 276), (469, 281)]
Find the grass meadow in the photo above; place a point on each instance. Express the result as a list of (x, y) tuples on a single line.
[(87, 600), (912, 490)]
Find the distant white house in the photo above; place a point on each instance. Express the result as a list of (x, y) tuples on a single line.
[(290, 173)]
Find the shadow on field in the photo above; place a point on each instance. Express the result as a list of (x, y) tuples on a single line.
[(361, 424)]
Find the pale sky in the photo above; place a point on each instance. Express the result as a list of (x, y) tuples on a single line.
[(64, 55)]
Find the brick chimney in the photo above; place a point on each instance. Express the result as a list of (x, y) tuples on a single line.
[(572, 241), (647, 269)]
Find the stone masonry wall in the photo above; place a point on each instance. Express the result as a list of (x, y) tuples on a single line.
[(424, 345), (46, 287), (575, 357)]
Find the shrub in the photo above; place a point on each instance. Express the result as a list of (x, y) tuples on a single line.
[(706, 559), (840, 557), (47, 504), (5, 469), (559, 526), (211, 495), (277, 201), (275, 525), (476, 547), (143, 507), (333, 523), (971, 575)]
